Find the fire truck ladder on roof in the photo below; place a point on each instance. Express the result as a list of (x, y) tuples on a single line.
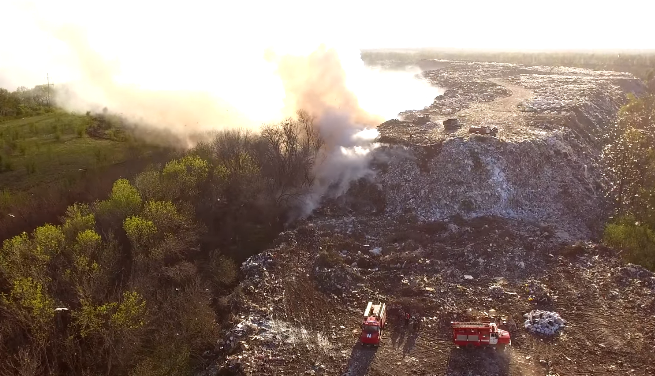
[(374, 310), (464, 325)]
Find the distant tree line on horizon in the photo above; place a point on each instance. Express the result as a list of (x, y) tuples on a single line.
[(642, 65)]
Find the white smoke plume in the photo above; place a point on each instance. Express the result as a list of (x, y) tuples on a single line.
[(345, 160), (184, 79)]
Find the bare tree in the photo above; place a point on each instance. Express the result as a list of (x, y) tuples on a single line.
[(291, 152)]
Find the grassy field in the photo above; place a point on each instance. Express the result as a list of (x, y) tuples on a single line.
[(40, 150), (53, 152)]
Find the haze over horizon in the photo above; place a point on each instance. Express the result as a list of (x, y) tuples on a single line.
[(173, 31), (204, 63)]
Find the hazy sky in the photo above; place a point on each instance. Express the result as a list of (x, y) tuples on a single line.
[(181, 32)]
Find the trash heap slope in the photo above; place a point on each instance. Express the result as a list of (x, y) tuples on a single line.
[(544, 164), (300, 304), (454, 224)]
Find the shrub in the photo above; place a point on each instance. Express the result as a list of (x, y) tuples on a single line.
[(183, 176), (150, 185), (222, 269), (635, 239), (78, 217), (123, 201), (139, 230)]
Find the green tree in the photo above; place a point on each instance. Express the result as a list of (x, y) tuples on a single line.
[(48, 240), (20, 258), (31, 304), (166, 218), (130, 312), (123, 202), (184, 176), (150, 185), (141, 232), (78, 217)]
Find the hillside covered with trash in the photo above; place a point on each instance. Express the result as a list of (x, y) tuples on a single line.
[(454, 224)]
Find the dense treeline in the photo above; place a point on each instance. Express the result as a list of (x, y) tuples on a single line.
[(640, 64), (630, 154), (25, 102), (138, 283)]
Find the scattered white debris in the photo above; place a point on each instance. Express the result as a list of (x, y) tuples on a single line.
[(376, 251), (544, 322), (466, 276)]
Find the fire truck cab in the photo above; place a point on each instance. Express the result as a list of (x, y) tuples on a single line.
[(478, 334), (375, 318)]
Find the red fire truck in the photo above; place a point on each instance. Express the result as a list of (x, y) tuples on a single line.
[(375, 317), (478, 334)]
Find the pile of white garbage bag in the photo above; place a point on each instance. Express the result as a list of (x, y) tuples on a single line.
[(543, 322)]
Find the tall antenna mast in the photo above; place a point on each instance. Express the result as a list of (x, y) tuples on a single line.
[(47, 75)]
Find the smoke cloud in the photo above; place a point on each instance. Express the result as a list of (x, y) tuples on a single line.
[(190, 82), (181, 111)]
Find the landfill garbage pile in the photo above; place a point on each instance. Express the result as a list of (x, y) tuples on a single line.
[(461, 95), (544, 322), (302, 302), (537, 292), (543, 166), (555, 88), (459, 223), (537, 181)]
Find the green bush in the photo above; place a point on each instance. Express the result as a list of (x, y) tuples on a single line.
[(78, 217), (140, 231), (123, 201), (636, 240), (183, 176)]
